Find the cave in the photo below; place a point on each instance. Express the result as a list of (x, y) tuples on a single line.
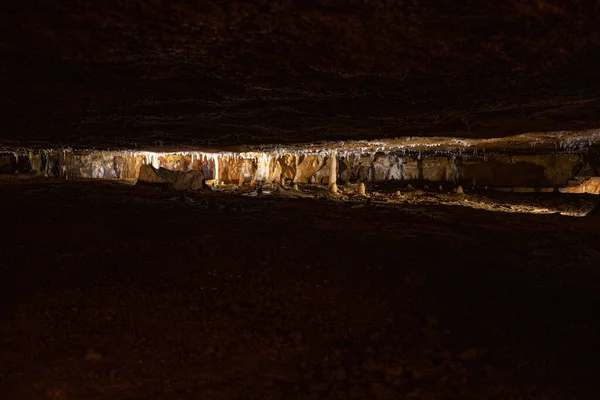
[(299, 200)]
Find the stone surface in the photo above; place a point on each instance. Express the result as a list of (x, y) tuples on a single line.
[(191, 180), (523, 171), (333, 188), (362, 190), (177, 180), (575, 172), (149, 175), (590, 185)]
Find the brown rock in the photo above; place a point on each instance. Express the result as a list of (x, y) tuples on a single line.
[(590, 185), (191, 180), (149, 175), (362, 189)]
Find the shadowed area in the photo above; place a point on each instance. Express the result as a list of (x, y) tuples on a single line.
[(173, 72), (236, 297)]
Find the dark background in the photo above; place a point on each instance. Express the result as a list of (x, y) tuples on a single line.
[(133, 73)]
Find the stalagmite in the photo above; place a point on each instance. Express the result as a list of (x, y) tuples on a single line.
[(295, 187), (241, 180), (362, 190), (333, 172), (459, 190), (296, 172), (440, 188), (216, 169)]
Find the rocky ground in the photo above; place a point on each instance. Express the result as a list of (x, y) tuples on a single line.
[(122, 292)]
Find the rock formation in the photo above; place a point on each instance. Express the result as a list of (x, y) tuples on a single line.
[(362, 190), (191, 180), (177, 180), (576, 173), (590, 185), (149, 175)]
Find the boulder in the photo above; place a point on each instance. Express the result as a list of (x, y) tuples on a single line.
[(308, 169), (191, 180), (149, 175), (177, 180), (167, 175), (590, 185)]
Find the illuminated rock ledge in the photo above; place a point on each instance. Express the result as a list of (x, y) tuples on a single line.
[(533, 162)]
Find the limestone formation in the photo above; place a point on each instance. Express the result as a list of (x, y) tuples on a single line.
[(576, 172), (333, 172), (168, 175), (149, 175), (191, 180), (459, 190), (177, 180), (362, 190), (590, 185)]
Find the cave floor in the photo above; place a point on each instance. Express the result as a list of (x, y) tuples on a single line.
[(111, 291)]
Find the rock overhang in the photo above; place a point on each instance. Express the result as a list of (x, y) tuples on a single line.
[(541, 161)]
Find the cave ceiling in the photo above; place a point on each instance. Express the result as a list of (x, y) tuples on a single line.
[(136, 74)]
